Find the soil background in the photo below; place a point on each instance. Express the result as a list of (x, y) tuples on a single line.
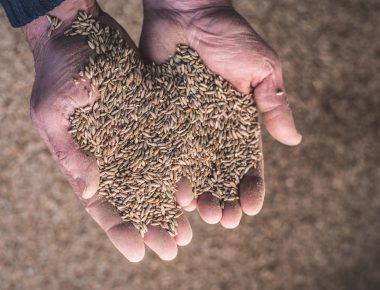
[(320, 225)]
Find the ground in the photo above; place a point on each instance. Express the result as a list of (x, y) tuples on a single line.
[(320, 226)]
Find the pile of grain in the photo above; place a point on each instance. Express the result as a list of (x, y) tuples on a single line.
[(153, 124)]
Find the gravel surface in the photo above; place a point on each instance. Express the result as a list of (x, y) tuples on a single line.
[(320, 226)]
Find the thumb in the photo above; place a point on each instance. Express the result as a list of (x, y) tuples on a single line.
[(271, 100), (80, 168)]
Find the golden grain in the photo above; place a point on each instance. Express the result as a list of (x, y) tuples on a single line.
[(153, 124)]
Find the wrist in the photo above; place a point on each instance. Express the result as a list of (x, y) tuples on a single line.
[(36, 31), (184, 5)]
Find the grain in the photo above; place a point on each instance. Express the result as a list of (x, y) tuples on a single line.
[(55, 23), (153, 124)]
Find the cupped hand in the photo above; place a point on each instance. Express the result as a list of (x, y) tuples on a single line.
[(230, 47), (58, 60)]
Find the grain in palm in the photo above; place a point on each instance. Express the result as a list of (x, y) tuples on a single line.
[(153, 124)]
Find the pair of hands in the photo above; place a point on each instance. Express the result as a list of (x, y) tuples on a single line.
[(227, 45)]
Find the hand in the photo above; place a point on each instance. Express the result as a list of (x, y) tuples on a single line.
[(58, 60), (229, 46)]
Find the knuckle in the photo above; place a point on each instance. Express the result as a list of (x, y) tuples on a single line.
[(60, 154), (274, 60), (273, 55)]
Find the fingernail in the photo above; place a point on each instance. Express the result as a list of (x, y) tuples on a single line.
[(298, 139), (280, 93), (87, 191)]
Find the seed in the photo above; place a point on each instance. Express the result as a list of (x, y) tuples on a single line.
[(55, 23), (154, 123), (91, 45)]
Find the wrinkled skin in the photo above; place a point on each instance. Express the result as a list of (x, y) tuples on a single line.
[(225, 42), (58, 60), (229, 46)]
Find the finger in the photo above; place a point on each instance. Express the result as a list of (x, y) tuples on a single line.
[(81, 170), (51, 118), (191, 206), (184, 194), (232, 214), (252, 190), (272, 102), (209, 208), (185, 233), (109, 21), (123, 235), (161, 243), (163, 47), (128, 241)]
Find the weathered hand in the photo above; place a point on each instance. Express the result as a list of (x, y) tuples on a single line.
[(229, 46), (58, 60)]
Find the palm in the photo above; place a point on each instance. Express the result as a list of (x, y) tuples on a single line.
[(224, 40), (54, 98), (231, 48)]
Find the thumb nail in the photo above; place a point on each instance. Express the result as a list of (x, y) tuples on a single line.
[(87, 190), (297, 138)]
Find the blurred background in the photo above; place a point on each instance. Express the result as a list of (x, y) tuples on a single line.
[(320, 225)]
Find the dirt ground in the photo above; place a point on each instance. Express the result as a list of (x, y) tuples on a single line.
[(320, 226)]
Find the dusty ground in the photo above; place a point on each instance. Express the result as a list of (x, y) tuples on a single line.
[(320, 227)]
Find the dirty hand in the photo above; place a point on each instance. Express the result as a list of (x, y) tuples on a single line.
[(229, 46), (58, 59)]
